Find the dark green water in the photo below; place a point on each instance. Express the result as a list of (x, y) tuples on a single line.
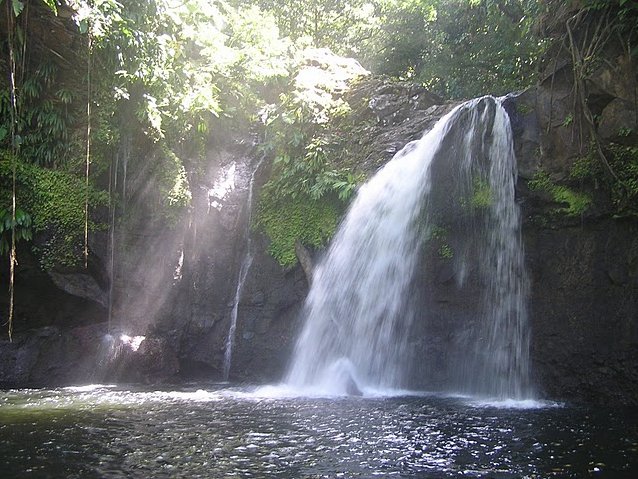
[(217, 431)]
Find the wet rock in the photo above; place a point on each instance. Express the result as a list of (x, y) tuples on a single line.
[(619, 122), (50, 356), (155, 360), (81, 285)]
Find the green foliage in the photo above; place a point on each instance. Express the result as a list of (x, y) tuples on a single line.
[(577, 202), (625, 132), (624, 191), (569, 119), (446, 252), (625, 8), (437, 233), (47, 115), (621, 188), (55, 202), (301, 218), (311, 175), (307, 184), (459, 48), (335, 24), (585, 168), (482, 195), (17, 6), (175, 68), (21, 224), (436, 240), (174, 189)]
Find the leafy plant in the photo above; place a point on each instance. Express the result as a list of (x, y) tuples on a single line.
[(55, 202), (624, 191), (482, 195), (174, 189), (624, 131), (289, 219), (21, 224), (569, 119), (446, 252), (577, 203), (46, 120), (305, 175), (458, 48)]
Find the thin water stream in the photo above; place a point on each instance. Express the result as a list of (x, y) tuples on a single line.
[(246, 263), (215, 431)]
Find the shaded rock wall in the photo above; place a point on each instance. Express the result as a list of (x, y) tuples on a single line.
[(178, 286), (584, 303), (56, 335), (584, 307)]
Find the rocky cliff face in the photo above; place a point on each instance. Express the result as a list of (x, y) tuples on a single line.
[(582, 263), (179, 287)]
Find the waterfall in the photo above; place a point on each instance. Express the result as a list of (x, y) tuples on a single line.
[(241, 279), (359, 312), (499, 365)]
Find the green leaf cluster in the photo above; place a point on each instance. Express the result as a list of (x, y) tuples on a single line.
[(457, 48), (624, 191), (480, 197), (47, 117), (461, 48), (308, 188), (21, 225), (446, 251), (622, 187), (54, 201), (173, 187), (287, 220), (437, 241), (577, 202), (174, 69)]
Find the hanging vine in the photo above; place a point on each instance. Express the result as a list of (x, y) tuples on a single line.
[(597, 23), (14, 155), (88, 148), (581, 56)]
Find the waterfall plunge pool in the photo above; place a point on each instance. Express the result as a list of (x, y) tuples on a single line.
[(216, 431)]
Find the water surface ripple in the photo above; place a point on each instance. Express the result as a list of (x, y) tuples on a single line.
[(108, 431)]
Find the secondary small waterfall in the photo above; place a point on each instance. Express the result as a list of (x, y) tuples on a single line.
[(241, 279), (359, 314)]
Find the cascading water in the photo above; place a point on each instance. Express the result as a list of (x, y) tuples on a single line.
[(243, 273), (357, 322), (359, 313), (499, 366)]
